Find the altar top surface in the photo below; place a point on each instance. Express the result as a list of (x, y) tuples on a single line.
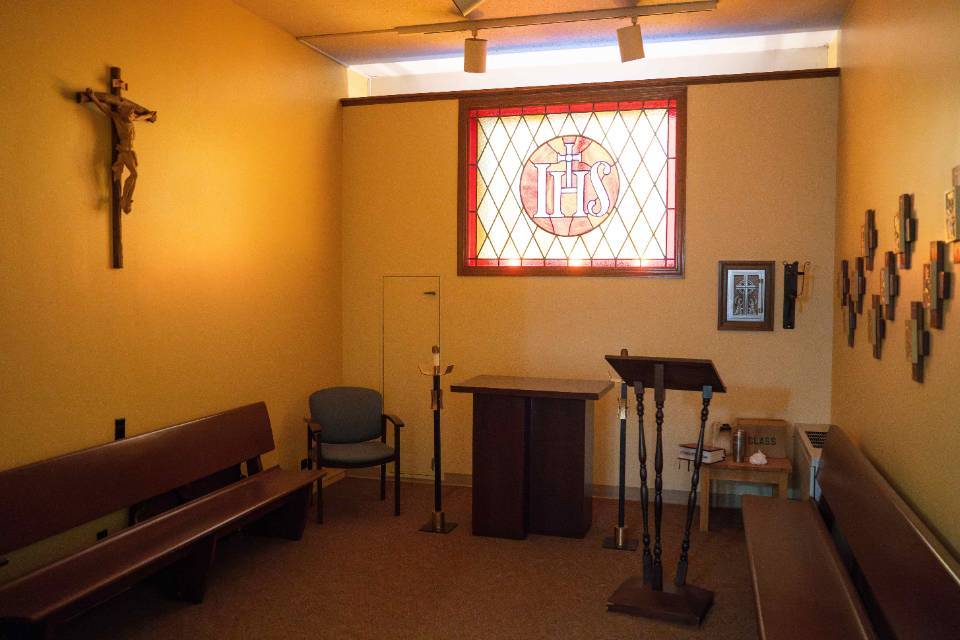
[(534, 387), (683, 374)]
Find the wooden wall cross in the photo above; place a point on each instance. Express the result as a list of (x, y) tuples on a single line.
[(850, 321), (878, 328), (844, 282), (905, 230), (918, 340), (936, 283), (122, 113), (859, 285), (889, 284), (868, 238)]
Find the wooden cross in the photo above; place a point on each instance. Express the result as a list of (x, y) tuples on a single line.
[(889, 284), (878, 326), (918, 340), (860, 285), (905, 229), (936, 283), (868, 238), (122, 113), (851, 321), (844, 282)]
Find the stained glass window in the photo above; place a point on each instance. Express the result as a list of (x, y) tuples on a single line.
[(587, 187)]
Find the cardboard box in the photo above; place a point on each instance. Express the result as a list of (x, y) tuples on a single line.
[(767, 434)]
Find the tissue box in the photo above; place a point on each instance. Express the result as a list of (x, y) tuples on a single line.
[(766, 434)]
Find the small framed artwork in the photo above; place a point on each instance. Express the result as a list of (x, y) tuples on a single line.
[(745, 296)]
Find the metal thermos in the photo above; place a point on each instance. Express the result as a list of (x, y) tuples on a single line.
[(739, 445)]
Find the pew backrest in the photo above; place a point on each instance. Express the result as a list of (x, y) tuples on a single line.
[(908, 581), (47, 497)]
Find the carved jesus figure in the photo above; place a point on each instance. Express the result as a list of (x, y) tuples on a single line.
[(123, 113)]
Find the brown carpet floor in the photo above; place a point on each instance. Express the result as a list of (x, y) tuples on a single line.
[(367, 574)]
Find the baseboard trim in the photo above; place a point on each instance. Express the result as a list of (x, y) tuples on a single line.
[(602, 491)]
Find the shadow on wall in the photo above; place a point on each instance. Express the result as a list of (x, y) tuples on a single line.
[(751, 402)]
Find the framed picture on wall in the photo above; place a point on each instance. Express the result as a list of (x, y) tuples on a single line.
[(745, 296)]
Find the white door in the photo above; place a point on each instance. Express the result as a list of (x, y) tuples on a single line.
[(411, 326)]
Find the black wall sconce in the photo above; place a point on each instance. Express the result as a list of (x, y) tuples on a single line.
[(792, 289)]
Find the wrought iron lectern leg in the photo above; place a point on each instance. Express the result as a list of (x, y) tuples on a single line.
[(659, 397), (437, 469), (644, 495), (681, 577)]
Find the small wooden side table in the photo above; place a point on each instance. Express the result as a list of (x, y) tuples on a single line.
[(775, 472)]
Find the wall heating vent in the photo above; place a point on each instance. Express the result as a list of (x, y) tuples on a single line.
[(810, 439)]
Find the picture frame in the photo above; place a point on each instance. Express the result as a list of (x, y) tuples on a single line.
[(745, 295), (951, 199)]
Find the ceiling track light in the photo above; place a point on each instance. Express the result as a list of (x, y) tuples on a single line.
[(475, 49), (466, 7), (630, 41), (475, 54)]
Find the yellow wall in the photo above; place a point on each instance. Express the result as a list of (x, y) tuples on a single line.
[(231, 290), (900, 132), (761, 185)]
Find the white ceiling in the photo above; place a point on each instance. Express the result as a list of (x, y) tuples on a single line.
[(732, 17)]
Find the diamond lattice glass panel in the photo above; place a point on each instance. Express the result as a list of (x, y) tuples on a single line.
[(577, 185)]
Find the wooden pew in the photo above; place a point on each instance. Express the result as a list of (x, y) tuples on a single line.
[(200, 456), (860, 564)]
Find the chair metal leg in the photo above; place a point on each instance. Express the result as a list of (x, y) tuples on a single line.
[(396, 486), (320, 501), (383, 481)]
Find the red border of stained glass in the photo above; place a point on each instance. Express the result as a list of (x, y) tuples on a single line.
[(671, 98)]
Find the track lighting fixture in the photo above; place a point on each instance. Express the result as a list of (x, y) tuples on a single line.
[(475, 54), (466, 7), (630, 40), (475, 49)]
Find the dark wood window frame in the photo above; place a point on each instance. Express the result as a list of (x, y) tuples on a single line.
[(571, 95)]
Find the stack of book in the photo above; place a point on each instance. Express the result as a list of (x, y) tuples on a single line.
[(710, 454)]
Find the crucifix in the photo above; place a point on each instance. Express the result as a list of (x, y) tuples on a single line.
[(122, 113)]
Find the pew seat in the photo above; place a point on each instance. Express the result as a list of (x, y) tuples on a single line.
[(180, 540), (800, 587), (857, 564)]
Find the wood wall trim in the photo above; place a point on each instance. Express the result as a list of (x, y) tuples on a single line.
[(622, 85)]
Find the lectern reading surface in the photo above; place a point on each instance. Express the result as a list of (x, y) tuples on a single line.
[(646, 595)]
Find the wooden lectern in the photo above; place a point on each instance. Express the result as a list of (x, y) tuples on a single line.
[(646, 595)]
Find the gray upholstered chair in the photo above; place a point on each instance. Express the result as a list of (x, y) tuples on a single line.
[(347, 429)]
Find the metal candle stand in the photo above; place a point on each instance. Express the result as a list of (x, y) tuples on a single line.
[(646, 595), (620, 540), (438, 522)]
